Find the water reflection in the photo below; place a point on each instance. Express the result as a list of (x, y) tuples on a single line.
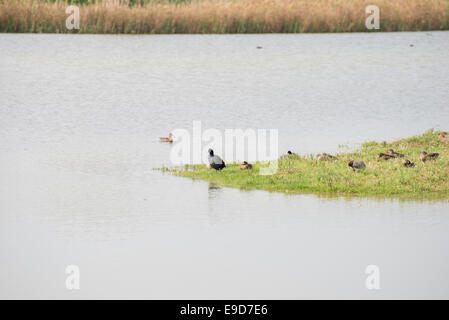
[(438, 198), (213, 190)]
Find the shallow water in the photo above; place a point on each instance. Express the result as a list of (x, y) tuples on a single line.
[(79, 121)]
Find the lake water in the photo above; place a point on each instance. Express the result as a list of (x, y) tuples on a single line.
[(79, 120)]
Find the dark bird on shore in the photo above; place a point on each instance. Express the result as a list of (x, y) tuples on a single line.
[(167, 139), (357, 165), (246, 166), (215, 161), (424, 156), (289, 155), (391, 152), (384, 156), (325, 156), (408, 163)]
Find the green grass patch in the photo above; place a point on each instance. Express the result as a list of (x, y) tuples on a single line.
[(298, 174)]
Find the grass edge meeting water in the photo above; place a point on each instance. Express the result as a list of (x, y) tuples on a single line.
[(309, 174)]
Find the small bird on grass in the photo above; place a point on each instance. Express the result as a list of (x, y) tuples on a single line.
[(289, 155), (325, 156), (357, 165), (215, 161), (408, 163), (424, 156), (391, 152), (384, 156), (246, 166)]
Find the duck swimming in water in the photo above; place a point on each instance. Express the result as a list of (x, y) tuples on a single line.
[(215, 162), (357, 165), (424, 156), (167, 139), (246, 166)]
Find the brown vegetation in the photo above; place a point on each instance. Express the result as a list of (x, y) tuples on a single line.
[(223, 16)]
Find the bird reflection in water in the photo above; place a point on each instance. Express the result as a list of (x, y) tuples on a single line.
[(214, 190)]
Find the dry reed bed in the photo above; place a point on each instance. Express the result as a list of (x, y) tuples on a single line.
[(225, 16)]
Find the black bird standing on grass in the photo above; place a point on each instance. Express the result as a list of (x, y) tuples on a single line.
[(215, 161)]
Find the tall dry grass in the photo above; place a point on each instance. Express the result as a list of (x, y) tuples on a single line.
[(223, 16)]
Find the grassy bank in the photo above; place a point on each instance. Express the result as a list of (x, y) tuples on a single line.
[(310, 175), (222, 16)]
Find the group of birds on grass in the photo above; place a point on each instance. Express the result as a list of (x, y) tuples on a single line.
[(217, 163), (357, 165)]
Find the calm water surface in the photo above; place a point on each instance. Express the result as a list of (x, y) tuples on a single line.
[(79, 121)]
